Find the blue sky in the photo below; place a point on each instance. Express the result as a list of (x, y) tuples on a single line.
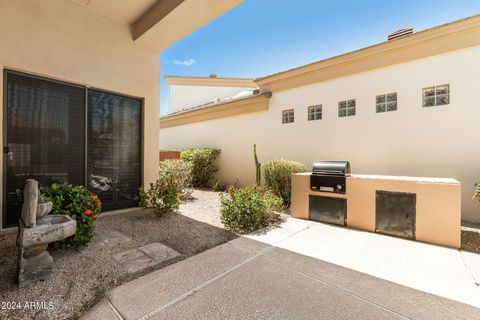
[(260, 37)]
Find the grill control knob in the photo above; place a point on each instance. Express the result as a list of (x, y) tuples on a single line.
[(339, 186)]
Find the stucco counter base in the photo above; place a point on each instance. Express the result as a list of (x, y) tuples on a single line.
[(437, 211)]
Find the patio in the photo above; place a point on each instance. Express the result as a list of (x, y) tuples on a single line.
[(286, 273)]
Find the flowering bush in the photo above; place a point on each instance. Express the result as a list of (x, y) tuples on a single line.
[(163, 196), (248, 209), (174, 182), (80, 204)]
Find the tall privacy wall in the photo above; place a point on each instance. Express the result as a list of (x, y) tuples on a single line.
[(437, 141)]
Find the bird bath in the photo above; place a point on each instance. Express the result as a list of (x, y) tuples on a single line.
[(37, 230)]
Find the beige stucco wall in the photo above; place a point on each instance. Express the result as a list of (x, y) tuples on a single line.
[(412, 141), (184, 97), (63, 40)]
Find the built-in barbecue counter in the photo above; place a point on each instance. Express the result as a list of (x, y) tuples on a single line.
[(423, 209)]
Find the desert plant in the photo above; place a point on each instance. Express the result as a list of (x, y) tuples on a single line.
[(174, 182), (204, 166), (258, 167), (163, 196), (248, 209), (278, 177), (476, 192), (218, 186), (80, 204), (142, 197), (180, 172)]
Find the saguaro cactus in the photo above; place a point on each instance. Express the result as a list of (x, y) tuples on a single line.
[(258, 166)]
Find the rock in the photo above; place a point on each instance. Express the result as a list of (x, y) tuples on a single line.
[(30, 200), (43, 208)]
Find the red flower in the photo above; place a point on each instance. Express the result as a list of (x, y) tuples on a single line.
[(94, 217), (88, 212)]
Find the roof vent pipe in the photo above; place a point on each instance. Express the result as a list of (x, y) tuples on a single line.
[(400, 33)]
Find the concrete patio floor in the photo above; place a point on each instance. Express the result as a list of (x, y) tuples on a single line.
[(306, 270)]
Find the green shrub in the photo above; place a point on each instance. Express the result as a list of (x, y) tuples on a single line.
[(203, 163), (278, 177), (476, 192), (174, 182), (248, 209), (163, 196), (218, 186), (180, 172), (142, 197), (80, 204)]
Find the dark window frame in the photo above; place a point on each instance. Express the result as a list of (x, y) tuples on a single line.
[(7, 71)]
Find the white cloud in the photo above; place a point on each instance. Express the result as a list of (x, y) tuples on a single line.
[(186, 63)]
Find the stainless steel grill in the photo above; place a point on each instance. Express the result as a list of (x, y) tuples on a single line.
[(329, 176)]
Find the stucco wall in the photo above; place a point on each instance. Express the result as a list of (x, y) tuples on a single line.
[(412, 141), (63, 40), (191, 96)]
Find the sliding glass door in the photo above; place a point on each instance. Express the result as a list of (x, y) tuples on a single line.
[(44, 137), (59, 132), (114, 157)]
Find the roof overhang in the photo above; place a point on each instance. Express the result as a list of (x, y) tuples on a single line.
[(158, 24), (168, 21), (442, 39), (210, 81), (256, 103)]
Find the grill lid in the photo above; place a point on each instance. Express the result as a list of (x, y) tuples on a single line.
[(331, 167)]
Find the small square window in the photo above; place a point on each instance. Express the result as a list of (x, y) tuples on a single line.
[(436, 96), (288, 116), (386, 102), (347, 108), (315, 112)]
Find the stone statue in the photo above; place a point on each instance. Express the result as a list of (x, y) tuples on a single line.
[(36, 230)]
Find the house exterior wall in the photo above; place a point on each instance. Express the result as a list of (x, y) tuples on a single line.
[(412, 141), (62, 40), (185, 97)]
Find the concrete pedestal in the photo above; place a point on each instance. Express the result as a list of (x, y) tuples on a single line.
[(34, 263)]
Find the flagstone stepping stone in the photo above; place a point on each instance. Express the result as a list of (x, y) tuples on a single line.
[(146, 256), (104, 241)]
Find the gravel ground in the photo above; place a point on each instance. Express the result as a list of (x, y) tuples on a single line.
[(471, 239), (201, 207), (79, 281)]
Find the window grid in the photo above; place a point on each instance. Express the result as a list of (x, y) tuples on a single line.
[(386, 102), (315, 112), (347, 108), (288, 116), (436, 96)]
